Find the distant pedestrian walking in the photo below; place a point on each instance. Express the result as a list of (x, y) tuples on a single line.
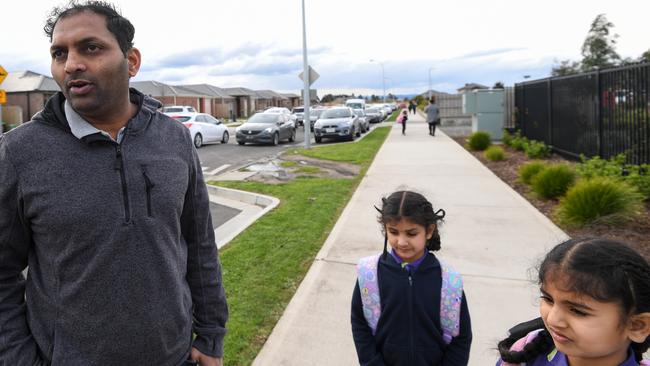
[(433, 115), (402, 118), (408, 294), (412, 106)]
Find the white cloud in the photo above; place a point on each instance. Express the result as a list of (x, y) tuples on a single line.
[(258, 43)]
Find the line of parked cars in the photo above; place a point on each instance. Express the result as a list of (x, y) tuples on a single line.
[(278, 123)]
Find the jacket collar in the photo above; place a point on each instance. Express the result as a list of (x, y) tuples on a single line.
[(53, 114)]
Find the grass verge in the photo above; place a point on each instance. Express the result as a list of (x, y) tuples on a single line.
[(263, 266)]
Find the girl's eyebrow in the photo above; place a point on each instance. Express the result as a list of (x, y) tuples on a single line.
[(568, 302)]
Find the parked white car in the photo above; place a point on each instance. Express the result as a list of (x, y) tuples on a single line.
[(204, 128), (178, 109)]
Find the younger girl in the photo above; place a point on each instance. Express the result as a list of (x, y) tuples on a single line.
[(595, 309), (408, 308), (402, 118)]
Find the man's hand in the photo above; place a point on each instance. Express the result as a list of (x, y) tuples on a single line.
[(205, 360)]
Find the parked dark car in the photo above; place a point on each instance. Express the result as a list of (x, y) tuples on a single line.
[(337, 123), (267, 128)]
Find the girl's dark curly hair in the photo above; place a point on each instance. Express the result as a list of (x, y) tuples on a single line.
[(603, 269), (414, 207)]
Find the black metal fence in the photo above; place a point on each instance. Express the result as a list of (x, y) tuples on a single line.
[(600, 113)]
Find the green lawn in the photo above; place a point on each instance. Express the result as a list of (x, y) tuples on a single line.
[(263, 266)]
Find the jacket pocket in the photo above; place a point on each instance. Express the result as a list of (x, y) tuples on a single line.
[(148, 184)]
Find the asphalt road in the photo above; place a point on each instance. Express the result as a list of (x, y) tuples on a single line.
[(232, 156)]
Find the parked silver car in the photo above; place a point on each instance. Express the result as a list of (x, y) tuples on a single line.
[(268, 128), (337, 123), (363, 120)]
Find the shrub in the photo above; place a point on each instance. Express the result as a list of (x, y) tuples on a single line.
[(507, 138), (537, 150), (601, 199), (519, 143), (529, 170), (635, 175), (494, 153), (479, 141), (553, 181)]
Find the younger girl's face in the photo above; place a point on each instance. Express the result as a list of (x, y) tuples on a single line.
[(408, 239), (587, 331)]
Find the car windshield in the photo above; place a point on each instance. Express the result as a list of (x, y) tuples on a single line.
[(317, 112), (182, 118), (263, 118), (172, 109), (336, 113), (298, 110), (355, 105)]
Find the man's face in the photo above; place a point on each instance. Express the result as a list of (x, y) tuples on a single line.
[(89, 66)]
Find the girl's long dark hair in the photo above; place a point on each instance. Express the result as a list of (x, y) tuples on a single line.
[(414, 207), (604, 269)]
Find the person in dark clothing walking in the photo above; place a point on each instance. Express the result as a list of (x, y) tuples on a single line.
[(412, 107), (433, 115), (103, 197), (400, 312)]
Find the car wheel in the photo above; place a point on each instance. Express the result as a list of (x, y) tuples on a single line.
[(225, 137), (198, 140), (357, 133), (241, 142), (276, 139), (318, 139), (292, 137)]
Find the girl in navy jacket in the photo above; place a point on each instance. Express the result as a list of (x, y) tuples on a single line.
[(401, 312)]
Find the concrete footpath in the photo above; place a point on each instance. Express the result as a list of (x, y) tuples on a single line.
[(492, 235)]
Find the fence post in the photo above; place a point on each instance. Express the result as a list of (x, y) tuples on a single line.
[(599, 114), (549, 104)]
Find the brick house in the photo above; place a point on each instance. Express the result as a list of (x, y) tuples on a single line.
[(171, 95), (221, 105), (27, 93)]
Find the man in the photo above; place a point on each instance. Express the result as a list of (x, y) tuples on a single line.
[(103, 197), (433, 115)]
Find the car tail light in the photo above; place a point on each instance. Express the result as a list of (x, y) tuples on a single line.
[(188, 124)]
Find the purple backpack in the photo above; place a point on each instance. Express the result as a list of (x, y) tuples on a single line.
[(451, 295)]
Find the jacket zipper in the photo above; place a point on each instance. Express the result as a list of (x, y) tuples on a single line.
[(148, 186), (119, 165), (412, 348)]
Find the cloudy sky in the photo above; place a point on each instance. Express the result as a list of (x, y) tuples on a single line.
[(258, 43)]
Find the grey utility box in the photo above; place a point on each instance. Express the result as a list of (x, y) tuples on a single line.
[(486, 108)]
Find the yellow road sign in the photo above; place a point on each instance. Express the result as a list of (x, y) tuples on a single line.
[(3, 74), (3, 97)]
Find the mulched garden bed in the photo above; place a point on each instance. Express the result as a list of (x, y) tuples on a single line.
[(635, 233)]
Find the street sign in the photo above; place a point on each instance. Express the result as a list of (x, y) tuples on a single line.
[(3, 74), (313, 76), (3, 97)]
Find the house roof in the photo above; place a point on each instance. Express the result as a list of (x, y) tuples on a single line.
[(208, 89), (472, 86), (27, 81), (290, 95), (239, 91), (158, 89), (269, 94)]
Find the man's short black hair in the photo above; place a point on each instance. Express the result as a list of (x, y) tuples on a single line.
[(118, 25)]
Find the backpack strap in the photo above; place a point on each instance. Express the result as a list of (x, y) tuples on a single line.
[(369, 288), (451, 296)]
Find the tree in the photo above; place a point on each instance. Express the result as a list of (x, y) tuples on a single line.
[(598, 49), (645, 57), (566, 67), (498, 85), (327, 98)]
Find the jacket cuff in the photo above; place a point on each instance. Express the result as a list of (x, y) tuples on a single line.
[(211, 346)]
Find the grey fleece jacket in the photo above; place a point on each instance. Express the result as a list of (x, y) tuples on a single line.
[(123, 265)]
